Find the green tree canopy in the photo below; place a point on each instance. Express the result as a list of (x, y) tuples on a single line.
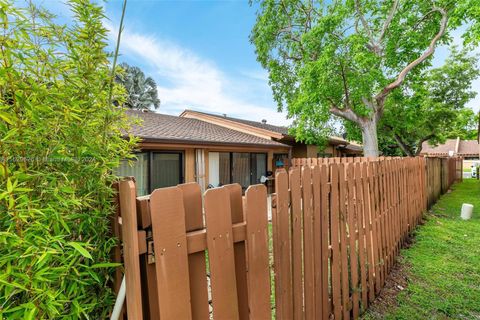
[(141, 90), (431, 106), (345, 58)]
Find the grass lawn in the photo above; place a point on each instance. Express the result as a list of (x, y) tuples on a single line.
[(443, 264)]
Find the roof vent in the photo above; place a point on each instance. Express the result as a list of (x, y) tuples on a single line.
[(224, 115), (264, 121)]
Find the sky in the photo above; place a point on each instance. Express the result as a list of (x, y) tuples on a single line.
[(199, 54)]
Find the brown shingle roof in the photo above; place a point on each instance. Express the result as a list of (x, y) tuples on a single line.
[(466, 147), (270, 127), (278, 129), (166, 128), (449, 145)]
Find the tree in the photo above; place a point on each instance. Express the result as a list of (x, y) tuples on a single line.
[(432, 106), (345, 58), (141, 91), (61, 138)]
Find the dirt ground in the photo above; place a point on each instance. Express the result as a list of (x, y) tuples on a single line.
[(395, 283)]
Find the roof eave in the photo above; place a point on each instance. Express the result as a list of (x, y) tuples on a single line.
[(187, 142)]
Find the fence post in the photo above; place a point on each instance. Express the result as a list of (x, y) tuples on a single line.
[(128, 212)]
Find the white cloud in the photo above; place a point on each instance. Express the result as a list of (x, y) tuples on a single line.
[(187, 81)]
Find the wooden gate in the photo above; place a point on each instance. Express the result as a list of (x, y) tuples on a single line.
[(169, 275)]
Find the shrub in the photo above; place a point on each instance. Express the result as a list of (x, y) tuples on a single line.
[(60, 138)]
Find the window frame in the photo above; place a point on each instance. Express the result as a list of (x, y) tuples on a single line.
[(250, 160), (150, 161)]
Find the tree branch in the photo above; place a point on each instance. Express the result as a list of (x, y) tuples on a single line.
[(346, 113), (405, 148), (364, 22), (430, 50), (345, 86), (388, 21), (419, 146)]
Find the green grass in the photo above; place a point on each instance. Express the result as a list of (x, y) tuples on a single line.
[(444, 262)]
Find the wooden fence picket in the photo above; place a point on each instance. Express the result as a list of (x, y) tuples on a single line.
[(236, 209), (353, 239), (317, 240), (126, 190), (171, 263), (325, 192), (359, 205), (221, 254), (343, 242), (368, 231), (297, 257), (192, 202), (335, 242), (282, 249), (308, 243), (257, 250)]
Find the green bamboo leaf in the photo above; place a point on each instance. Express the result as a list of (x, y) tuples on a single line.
[(78, 246), (6, 117), (106, 265), (9, 185), (30, 315)]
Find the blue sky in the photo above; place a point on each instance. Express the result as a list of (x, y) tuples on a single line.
[(199, 54)]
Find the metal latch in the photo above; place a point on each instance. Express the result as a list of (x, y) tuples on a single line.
[(150, 248)]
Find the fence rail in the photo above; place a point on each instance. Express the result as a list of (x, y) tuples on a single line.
[(337, 226)]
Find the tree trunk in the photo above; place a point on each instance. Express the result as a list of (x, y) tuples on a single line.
[(369, 136), (403, 146)]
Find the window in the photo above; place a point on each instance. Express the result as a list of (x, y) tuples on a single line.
[(218, 168), (138, 169), (241, 169), (153, 170), (259, 167), (236, 167), (166, 170)]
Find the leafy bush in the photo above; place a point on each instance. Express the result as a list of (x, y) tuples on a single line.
[(60, 137)]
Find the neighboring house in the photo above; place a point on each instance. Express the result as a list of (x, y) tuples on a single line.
[(175, 150), (468, 149), (337, 147), (214, 150)]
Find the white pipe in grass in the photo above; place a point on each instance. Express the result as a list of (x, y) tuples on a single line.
[(119, 302), (467, 210)]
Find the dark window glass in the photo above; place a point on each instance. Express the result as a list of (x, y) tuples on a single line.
[(259, 167), (241, 169), (165, 170), (224, 168)]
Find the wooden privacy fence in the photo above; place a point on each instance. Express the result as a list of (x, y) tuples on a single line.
[(441, 173), (341, 225), (336, 229)]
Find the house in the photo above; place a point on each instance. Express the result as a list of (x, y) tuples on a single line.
[(195, 148), (467, 149), (337, 146), (174, 150)]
